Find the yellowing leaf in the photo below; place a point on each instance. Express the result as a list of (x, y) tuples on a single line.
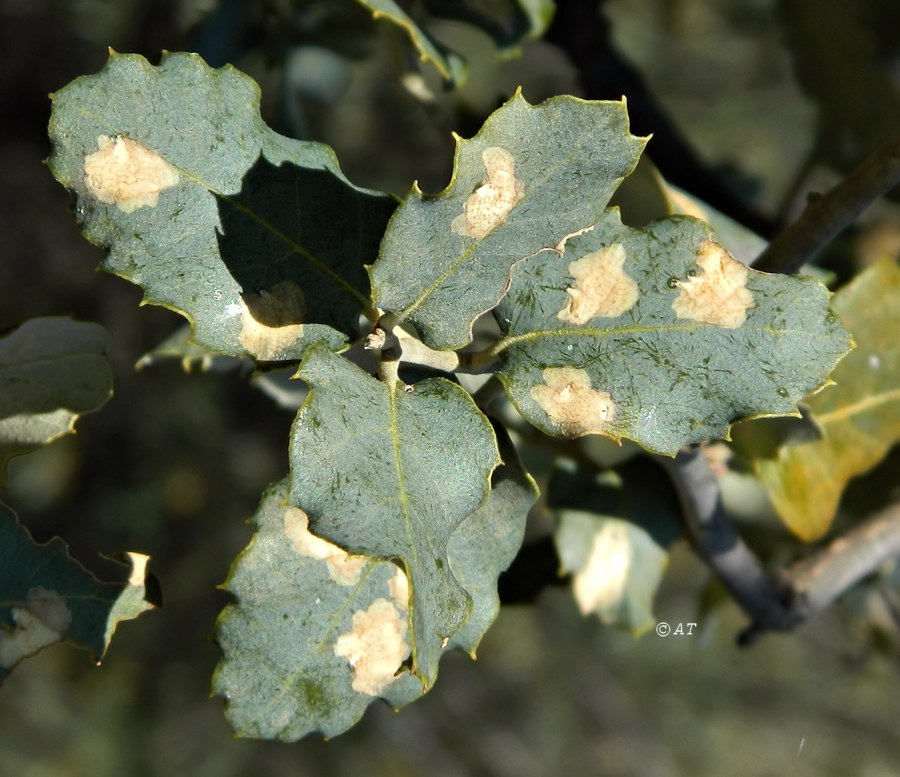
[(859, 417)]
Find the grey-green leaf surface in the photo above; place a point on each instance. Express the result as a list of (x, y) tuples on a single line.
[(258, 240), (659, 336), (532, 176), (296, 596), (390, 472), (51, 371), (47, 597), (613, 536), (284, 671)]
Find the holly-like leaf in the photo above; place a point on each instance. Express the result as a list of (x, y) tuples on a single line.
[(613, 536), (532, 176), (47, 597), (51, 371), (316, 634), (257, 239), (659, 336), (451, 66), (859, 418), (390, 472)]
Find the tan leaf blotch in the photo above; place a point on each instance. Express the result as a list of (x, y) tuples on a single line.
[(719, 295), (573, 406), (343, 568), (602, 287), (127, 174), (271, 321), (375, 647), (489, 205)]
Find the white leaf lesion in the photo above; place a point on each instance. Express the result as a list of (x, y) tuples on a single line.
[(492, 202), (272, 320), (719, 295), (127, 174), (602, 288), (343, 568), (572, 405), (375, 647)]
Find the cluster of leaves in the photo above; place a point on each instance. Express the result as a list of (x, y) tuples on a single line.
[(405, 500), (53, 370)]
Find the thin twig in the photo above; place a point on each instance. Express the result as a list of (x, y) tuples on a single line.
[(718, 543), (828, 214), (824, 576)]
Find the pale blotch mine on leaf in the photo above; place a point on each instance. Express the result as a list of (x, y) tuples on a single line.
[(43, 621), (375, 647), (573, 406), (602, 288), (719, 295), (127, 174), (489, 205), (599, 584), (271, 321), (343, 568)]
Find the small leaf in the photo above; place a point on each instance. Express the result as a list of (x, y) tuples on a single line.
[(659, 336), (859, 417), (532, 176), (297, 595), (451, 66), (51, 371), (47, 597), (613, 536), (390, 473), (257, 239), (289, 666)]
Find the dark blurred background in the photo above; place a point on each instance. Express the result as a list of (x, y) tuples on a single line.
[(763, 99)]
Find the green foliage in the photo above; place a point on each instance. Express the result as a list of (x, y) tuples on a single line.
[(626, 349), (47, 597), (613, 537), (51, 371), (852, 425), (405, 501), (300, 642), (215, 215)]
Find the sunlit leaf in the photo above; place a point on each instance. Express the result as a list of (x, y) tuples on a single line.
[(287, 668), (530, 177), (257, 239), (391, 473), (450, 66), (659, 336)]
